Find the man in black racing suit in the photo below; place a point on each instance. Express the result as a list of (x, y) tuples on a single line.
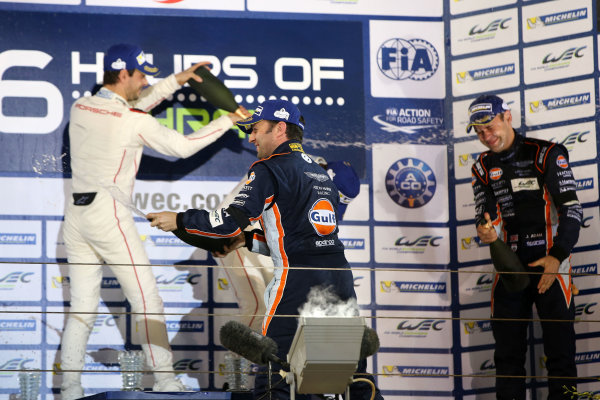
[(296, 203), (525, 193)]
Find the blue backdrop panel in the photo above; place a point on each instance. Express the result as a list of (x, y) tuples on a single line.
[(333, 119)]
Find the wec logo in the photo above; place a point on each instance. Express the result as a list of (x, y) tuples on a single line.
[(423, 241), (16, 364), (180, 279), (188, 364), (424, 325), (16, 277), (566, 55), (572, 139), (491, 27)]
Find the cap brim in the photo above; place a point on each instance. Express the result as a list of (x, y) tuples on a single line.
[(480, 122), (246, 124), (149, 69)]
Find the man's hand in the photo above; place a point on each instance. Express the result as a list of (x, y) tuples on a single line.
[(550, 265), (239, 114), (184, 76), (486, 232), (236, 242), (165, 220)]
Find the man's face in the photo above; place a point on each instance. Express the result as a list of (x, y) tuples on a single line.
[(263, 138), (498, 135), (134, 85)]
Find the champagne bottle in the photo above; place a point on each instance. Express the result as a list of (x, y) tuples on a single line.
[(506, 263), (215, 91)]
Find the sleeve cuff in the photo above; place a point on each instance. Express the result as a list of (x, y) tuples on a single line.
[(179, 220), (558, 253)]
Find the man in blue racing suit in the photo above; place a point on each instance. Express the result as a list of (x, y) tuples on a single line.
[(525, 193), (296, 203)]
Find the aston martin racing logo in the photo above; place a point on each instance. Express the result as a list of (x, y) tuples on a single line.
[(410, 182)]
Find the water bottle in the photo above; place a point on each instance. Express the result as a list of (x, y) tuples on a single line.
[(236, 372), (132, 367), (29, 382)]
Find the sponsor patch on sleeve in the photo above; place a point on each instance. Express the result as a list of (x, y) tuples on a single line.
[(216, 217)]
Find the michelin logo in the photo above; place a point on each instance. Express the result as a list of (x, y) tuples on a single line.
[(185, 326), (584, 184), (18, 238), (557, 18), (416, 371), (353, 244), (15, 325), (172, 241), (413, 287), (485, 73), (591, 269), (559, 102)]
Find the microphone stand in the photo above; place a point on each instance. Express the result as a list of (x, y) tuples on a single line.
[(270, 382)]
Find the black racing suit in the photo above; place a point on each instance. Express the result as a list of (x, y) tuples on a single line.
[(296, 203), (523, 189)]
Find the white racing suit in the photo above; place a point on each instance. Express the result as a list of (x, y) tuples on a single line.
[(106, 142)]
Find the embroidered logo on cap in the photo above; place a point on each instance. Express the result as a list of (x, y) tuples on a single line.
[(282, 114), (118, 64)]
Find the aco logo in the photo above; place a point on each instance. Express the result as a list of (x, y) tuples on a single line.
[(410, 182), (322, 217), (495, 173)]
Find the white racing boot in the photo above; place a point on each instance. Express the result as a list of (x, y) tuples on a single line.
[(71, 392), (169, 385)]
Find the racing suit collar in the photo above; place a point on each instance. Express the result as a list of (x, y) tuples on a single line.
[(287, 146), (109, 94), (514, 147)]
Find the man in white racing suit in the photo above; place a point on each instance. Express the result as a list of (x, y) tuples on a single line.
[(107, 136)]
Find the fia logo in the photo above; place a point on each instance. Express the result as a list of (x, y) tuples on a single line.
[(414, 59), (410, 182)]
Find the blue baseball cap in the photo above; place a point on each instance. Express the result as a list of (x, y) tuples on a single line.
[(128, 56), (484, 109), (346, 180), (272, 110)]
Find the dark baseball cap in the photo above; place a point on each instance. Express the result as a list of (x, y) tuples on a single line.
[(272, 110), (128, 56), (484, 109)]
